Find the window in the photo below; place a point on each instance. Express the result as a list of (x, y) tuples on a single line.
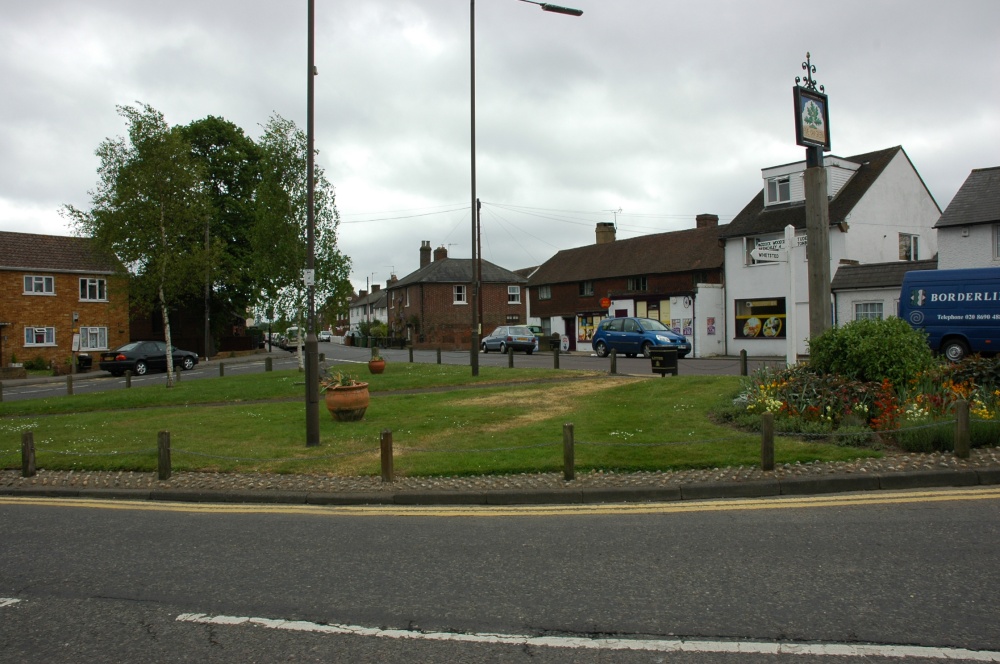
[(459, 295), (407, 297), (39, 336), (545, 292), (39, 285), (93, 338), (870, 310), (779, 190), (513, 319), (637, 283), (513, 295), (586, 288), (93, 289), (908, 247)]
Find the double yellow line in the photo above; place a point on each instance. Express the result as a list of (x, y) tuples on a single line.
[(777, 502)]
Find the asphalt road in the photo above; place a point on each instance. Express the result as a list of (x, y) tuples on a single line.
[(99, 381), (873, 578)]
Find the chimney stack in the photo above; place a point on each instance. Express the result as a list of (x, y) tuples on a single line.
[(440, 253), (706, 220), (605, 232), (425, 253)]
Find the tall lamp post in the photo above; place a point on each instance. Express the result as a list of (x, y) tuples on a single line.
[(476, 277), (309, 275)]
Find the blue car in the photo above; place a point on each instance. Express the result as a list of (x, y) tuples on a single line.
[(636, 336)]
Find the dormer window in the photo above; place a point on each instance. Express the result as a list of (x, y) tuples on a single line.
[(779, 190)]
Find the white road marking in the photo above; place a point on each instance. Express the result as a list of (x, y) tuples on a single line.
[(649, 645), (8, 601)]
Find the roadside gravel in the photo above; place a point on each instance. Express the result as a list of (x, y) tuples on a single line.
[(892, 463)]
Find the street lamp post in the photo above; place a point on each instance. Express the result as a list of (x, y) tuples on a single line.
[(475, 276), (312, 346)]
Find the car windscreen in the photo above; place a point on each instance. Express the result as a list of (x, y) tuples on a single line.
[(653, 324), (520, 332)]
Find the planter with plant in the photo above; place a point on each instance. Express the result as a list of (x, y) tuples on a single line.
[(346, 397), (376, 364)]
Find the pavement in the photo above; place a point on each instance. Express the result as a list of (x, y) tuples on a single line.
[(895, 471)]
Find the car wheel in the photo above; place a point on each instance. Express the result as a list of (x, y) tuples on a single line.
[(503, 348), (140, 368), (601, 348), (955, 350), (187, 363), (646, 347), (485, 348)]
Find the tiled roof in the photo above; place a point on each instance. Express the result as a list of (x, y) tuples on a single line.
[(663, 253), (877, 275), (458, 271), (977, 202), (52, 253), (756, 220)]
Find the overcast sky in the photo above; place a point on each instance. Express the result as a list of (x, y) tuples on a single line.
[(660, 108)]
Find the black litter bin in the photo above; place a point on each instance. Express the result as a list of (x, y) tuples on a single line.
[(83, 362), (664, 360)]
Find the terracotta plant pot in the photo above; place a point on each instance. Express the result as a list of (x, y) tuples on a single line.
[(347, 403), (376, 366)]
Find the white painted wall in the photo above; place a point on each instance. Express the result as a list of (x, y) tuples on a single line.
[(709, 303), (844, 302), (972, 250)]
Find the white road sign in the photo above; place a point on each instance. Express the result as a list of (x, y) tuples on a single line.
[(774, 255)]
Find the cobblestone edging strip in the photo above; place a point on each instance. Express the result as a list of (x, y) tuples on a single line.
[(893, 472)]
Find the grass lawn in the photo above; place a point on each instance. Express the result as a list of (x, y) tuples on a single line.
[(443, 422)]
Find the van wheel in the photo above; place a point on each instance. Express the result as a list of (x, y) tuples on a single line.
[(955, 350)]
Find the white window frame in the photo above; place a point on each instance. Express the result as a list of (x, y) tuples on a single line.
[(97, 285), (912, 252), (637, 284), (459, 294), (586, 288), (513, 295), (31, 334), (778, 186), (38, 284), (545, 292), (871, 309), (98, 334)]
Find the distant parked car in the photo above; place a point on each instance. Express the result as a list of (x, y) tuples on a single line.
[(325, 335), (518, 337), (141, 357), (636, 336)]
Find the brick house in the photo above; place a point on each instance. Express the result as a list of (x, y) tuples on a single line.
[(666, 276), (53, 288), (430, 306)]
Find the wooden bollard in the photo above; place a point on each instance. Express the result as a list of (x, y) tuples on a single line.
[(510, 358), (743, 362), (69, 384), (439, 355), (268, 364), (614, 361), (410, 353), (385, 443), (128, 378), (28, 454), (163, 455), (222, 369), (569, 469), (767, 441), (555, 358), (962, 433), (1, 392)]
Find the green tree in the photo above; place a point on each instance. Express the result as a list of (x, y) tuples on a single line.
[(150, 208), (231, 167), (280, 239)]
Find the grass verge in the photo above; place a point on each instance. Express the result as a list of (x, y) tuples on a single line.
[(511, 422)]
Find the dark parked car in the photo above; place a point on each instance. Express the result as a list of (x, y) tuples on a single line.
[(518, 337), (635, 336), (141, 357)]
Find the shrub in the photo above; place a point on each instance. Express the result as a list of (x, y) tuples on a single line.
[(871, 351), (36, 364)]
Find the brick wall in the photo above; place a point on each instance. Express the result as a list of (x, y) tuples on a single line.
[(444, 324), (57, 311)]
